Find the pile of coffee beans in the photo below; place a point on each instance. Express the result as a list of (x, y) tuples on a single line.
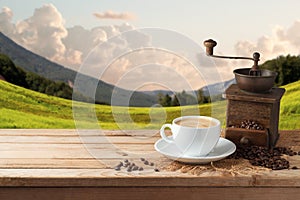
[(131, 166), (262, 156), (249, 124)]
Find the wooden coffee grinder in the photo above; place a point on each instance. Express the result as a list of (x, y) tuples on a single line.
[(253, 104)]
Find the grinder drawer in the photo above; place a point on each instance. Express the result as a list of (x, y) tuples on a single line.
[(246, 137)]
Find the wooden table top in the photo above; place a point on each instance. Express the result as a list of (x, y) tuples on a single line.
[(68, 158), (59, 157)]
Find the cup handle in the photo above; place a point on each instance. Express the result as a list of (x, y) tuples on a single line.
[(163, 135)]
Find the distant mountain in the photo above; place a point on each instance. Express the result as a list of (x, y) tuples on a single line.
[(217, 88), (209, 90), (15, 75), (32, 62), (156, 92)]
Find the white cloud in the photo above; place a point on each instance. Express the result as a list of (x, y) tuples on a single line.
[(112, 56), (281, 42), (114, 15), (43, 32), (112, 60), (153, 66), (6, 25)]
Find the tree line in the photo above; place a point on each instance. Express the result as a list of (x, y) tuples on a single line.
[(184, 98), (18, 76), (287, 67)]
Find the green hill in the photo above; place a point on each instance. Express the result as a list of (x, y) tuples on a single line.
[(22, 108), (31, 62), (29, 80), (290, 107)]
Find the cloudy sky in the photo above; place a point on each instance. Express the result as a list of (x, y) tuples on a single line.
[(153, 44)]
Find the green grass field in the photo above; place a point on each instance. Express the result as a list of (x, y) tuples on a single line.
[(22, 108), (290, 107)]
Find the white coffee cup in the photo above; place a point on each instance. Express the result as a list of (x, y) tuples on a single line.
[(193, 135)]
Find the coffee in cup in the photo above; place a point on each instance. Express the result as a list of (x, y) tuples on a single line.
[(193, 135), (196, 122)]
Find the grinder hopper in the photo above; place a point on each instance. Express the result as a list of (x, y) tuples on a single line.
[(252, 79)]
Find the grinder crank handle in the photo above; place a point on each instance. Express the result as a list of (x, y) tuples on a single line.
[(210, 44)]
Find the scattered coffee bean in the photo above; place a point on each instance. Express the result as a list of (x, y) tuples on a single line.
[(117, 168), (131, 166), (295, 167), (129, 169), (262, 156)]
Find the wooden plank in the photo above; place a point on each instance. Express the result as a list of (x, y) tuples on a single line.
[(76, 147), (72, 132), (74, 163), (148, 178), (164, 193), (74, 139), (112, 178), (100, 154), (23, 163)]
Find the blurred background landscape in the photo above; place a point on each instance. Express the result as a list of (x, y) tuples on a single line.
[(45, 46)]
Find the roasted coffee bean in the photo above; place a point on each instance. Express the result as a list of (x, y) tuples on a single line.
[(261, 156), (248, 124), (131, 166), (119, 165), (295, 167), (117, 168), (129, 169)]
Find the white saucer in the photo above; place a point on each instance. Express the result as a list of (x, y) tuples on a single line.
[(223, 149)]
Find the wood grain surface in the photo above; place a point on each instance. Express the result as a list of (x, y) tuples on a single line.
[(80, 165)]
